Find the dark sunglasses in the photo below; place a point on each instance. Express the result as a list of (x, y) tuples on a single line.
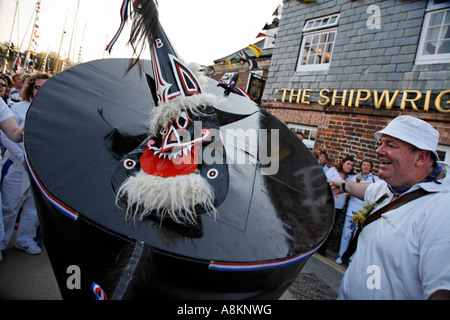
[(37, 87)]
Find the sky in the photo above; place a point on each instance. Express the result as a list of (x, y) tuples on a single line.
[(200, 30)]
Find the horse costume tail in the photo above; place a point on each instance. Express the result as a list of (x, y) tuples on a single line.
[(144, 27), (171, 78)]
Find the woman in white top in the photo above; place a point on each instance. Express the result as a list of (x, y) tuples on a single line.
[(354, 204), (342, 171)]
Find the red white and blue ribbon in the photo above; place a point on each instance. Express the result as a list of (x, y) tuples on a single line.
[(252, 266), (57, 204), (123, 16), (242, 92), (98, 291)]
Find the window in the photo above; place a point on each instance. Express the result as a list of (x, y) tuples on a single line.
[(434, 45), (317, 44), (444, 153), (320, 23), (309, 134)]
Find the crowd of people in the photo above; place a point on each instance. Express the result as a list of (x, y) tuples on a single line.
[(345, 205), (17, 208)]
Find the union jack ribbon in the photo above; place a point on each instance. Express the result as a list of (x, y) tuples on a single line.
[(123, 16), (227, 266), (242, 92), (72, 214), (99, 293)]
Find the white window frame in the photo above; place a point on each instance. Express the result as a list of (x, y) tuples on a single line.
[(446, 150), (321, 23), (433, 4), (421, 58), (318, 27), (309, 133)]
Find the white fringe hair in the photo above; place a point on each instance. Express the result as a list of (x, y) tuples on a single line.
[(165, 113), (175, 197)]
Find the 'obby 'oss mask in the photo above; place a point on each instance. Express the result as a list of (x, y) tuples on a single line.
[(180, 170)]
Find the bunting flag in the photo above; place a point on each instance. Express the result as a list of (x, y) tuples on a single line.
[(18, 64), (255, 49), (260, 35), (230, 61), (34, 45), (252, 63), (44, 63)]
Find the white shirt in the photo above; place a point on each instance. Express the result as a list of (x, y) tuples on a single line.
[(406, 253), (5, 112), (333, 174), (354, 204), (14, 150)]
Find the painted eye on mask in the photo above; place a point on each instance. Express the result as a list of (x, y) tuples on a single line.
[(129, 164), (183, 121)]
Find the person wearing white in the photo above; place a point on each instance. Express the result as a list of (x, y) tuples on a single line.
[(405, 253), (343, 170), (15, 90), (355, 204), (7, 123), (5, 112), (323, 157), (12, 130), (16, 188), (16, 192)]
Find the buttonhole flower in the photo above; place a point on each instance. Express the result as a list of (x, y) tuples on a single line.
[(360, 216)]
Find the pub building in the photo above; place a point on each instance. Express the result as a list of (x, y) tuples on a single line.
[(341, 70), (337, 71)]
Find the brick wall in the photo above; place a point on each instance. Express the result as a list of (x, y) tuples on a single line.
[(242, 68), (345, 131)]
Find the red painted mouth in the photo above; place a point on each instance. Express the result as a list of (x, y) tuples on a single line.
[(170, 164)]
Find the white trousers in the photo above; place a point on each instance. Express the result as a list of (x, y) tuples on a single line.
[(347, 231), (16, 194)]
